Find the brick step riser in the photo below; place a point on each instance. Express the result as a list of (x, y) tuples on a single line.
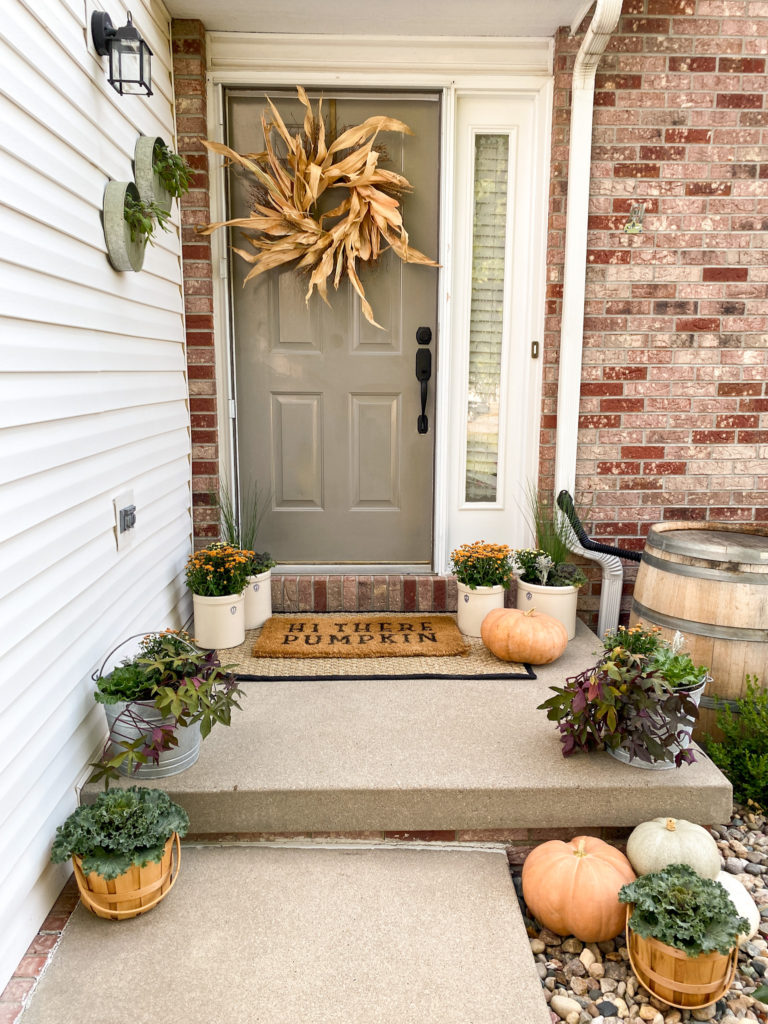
[(518, 841), (357, 593)]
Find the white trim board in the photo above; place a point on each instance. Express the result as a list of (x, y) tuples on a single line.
[(518, 70)]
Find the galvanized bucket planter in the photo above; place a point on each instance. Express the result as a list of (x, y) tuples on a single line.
[(685, 726), (149, 184), (124, 252), (128, 721)]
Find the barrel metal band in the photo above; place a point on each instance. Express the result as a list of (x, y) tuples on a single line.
[(717, 632), (700, 572), (715, 703)]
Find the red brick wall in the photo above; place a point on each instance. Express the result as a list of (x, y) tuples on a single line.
[(189, 79), (674, 399)]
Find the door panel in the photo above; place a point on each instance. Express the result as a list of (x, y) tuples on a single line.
[(327, 404)]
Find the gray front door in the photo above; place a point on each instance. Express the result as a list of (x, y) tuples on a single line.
[(327, 405)]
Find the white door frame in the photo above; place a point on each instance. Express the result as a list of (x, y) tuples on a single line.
[(456, 68)]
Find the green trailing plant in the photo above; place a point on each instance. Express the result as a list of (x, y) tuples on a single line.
[(142, 216), (173, 170), (547, 565), (536, 566), (122, 828), (627, 701), (742, 755), (169, 674), (482, 565), (240, 531), (684, 910)]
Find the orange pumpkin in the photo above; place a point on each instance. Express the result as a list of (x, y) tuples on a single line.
[(572, 888), (515, 635)]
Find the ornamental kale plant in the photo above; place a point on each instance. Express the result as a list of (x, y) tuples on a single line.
[(678, 907), (169, 674), (743, 753), (121, 829), (482, 565)]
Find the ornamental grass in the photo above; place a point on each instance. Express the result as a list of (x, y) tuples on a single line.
[(218, 570), (480, 564)]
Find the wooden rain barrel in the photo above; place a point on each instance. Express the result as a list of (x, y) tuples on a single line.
[(710, 581)]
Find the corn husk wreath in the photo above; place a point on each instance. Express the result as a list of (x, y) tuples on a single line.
[(284, 218)]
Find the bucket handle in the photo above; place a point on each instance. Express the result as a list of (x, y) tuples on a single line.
[(85, 893), (153, 632)]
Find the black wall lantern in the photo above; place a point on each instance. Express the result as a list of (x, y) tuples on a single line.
[(130, 58)]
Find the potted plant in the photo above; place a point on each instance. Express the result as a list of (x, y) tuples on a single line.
[(129, 223), (639, 702), (682, 935), (240, 531), (217, 576), (483, 572), (161, 175), (122, 848), (546, 580), (159, 705)]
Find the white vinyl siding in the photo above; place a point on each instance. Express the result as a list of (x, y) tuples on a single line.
[(93, 401)]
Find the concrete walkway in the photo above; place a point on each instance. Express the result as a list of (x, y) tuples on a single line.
[(399, 754), (260, 935)]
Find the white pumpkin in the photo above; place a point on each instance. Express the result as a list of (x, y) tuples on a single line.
[(655, 844), (745, 905)]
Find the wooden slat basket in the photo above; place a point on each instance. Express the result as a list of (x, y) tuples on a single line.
[(134, 892), (689, 983)]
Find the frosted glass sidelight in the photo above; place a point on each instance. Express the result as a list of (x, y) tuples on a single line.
[(489, 233)]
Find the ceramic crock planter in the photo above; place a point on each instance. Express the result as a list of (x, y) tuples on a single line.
[(474, 605), (219, 621), (559, 602), (685, 726), (124, 252), (258, 600)]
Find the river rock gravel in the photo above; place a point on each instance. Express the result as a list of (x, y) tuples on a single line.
[(593, 983)]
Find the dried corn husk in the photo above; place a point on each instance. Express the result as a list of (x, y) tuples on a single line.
[(283, 223)]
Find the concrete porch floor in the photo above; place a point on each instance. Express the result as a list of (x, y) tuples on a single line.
[(414, 755)]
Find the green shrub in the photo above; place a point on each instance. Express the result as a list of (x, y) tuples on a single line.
[(742, 755)]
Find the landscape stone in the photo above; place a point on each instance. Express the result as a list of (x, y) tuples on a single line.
[(563, 1005), (587, 957)]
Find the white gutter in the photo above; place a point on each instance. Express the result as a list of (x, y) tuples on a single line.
[(603, 23)]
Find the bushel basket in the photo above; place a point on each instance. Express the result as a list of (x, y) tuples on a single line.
[(689, 983), (134, 892)]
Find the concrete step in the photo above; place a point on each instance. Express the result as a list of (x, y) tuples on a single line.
[(416, 755), (305, 936)]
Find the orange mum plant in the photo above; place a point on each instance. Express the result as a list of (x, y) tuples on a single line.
[(285, 220)]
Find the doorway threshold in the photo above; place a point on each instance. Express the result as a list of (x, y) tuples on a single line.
[(341, 569), (350, 589)]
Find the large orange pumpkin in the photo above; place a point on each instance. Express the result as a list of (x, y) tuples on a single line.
[(572, 888), (515, 635)]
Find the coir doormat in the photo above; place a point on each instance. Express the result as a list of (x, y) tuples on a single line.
[(360, 636), (479, 663)]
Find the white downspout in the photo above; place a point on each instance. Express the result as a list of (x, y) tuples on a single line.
[(603, 23)]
